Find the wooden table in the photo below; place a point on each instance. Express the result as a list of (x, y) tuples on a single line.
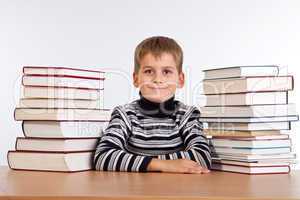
[(121, 185)]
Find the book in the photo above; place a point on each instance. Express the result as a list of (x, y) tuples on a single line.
[(63, 81), (249, 119), (243, 99), (260, 163), (60, 103), (62, 71), (252, 126), (275, 169), (61, 93), (249, 111), (61, 114), (252, 137), (252, 151), (254, 157), (233, 133), (50, 161), (255, 143), (239, 71), (248, 84), (56, 145), (63, 129)]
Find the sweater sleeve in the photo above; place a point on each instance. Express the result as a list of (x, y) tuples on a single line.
[(196, 146), (111, 153)]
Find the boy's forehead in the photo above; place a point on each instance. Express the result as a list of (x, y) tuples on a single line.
[(162, 60)]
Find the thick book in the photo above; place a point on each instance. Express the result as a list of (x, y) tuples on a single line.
[(255, 157), (60, 103), (232, 133), (239, 71), (250, 151), (249, 111), (62, 71), (61, 93), (255, 126), (275, 169), (260, 163), (65, 114), (56, 145), (244, 99), (63, 129), (254, 137), (248, 84), (249, 119), (50, 161), (255, 143), (63, 81)]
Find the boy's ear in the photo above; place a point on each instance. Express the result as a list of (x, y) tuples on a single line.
[(181, 80), (135, 80)]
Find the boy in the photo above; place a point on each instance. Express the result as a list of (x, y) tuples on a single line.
[(156, 132)]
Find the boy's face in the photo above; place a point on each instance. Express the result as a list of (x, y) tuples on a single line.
[(158, 78)]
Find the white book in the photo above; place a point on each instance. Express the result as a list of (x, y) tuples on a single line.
[(251, 98), (263, 126), (261, 163), (62, 81), (248, 84), (63, 129), (249, 111), (254, 157), (62, 71), (61, 93), (56, 145), (261, 151), (58, 162), (238, 143), (252, 170), (238, 71), (66, 114), (60, 103), (249, 119)]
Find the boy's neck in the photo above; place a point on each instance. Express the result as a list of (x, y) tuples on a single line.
[(154, 109)]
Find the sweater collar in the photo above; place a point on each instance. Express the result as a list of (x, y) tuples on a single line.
[(154, 109)]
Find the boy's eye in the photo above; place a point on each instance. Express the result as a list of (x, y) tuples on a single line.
[(167, 72), (148, 71)]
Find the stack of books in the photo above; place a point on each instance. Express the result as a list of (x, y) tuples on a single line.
[(246, 112), (62, 116)]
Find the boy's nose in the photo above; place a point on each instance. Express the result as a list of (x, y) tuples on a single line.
[(158, 78)]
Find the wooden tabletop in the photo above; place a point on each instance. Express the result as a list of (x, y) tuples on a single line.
[(120, 185)]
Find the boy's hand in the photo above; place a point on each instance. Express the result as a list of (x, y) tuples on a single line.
[(177, 166)]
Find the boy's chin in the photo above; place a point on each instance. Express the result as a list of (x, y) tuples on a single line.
[(157, 99)]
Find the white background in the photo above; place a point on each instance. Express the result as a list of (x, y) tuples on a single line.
[(103, 34)]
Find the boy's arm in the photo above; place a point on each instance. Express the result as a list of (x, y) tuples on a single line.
[(111, 154), (195, 144)]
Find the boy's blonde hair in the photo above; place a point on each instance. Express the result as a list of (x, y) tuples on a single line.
[(158, 45)]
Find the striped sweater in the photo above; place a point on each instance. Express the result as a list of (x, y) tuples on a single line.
[(142, 130)]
